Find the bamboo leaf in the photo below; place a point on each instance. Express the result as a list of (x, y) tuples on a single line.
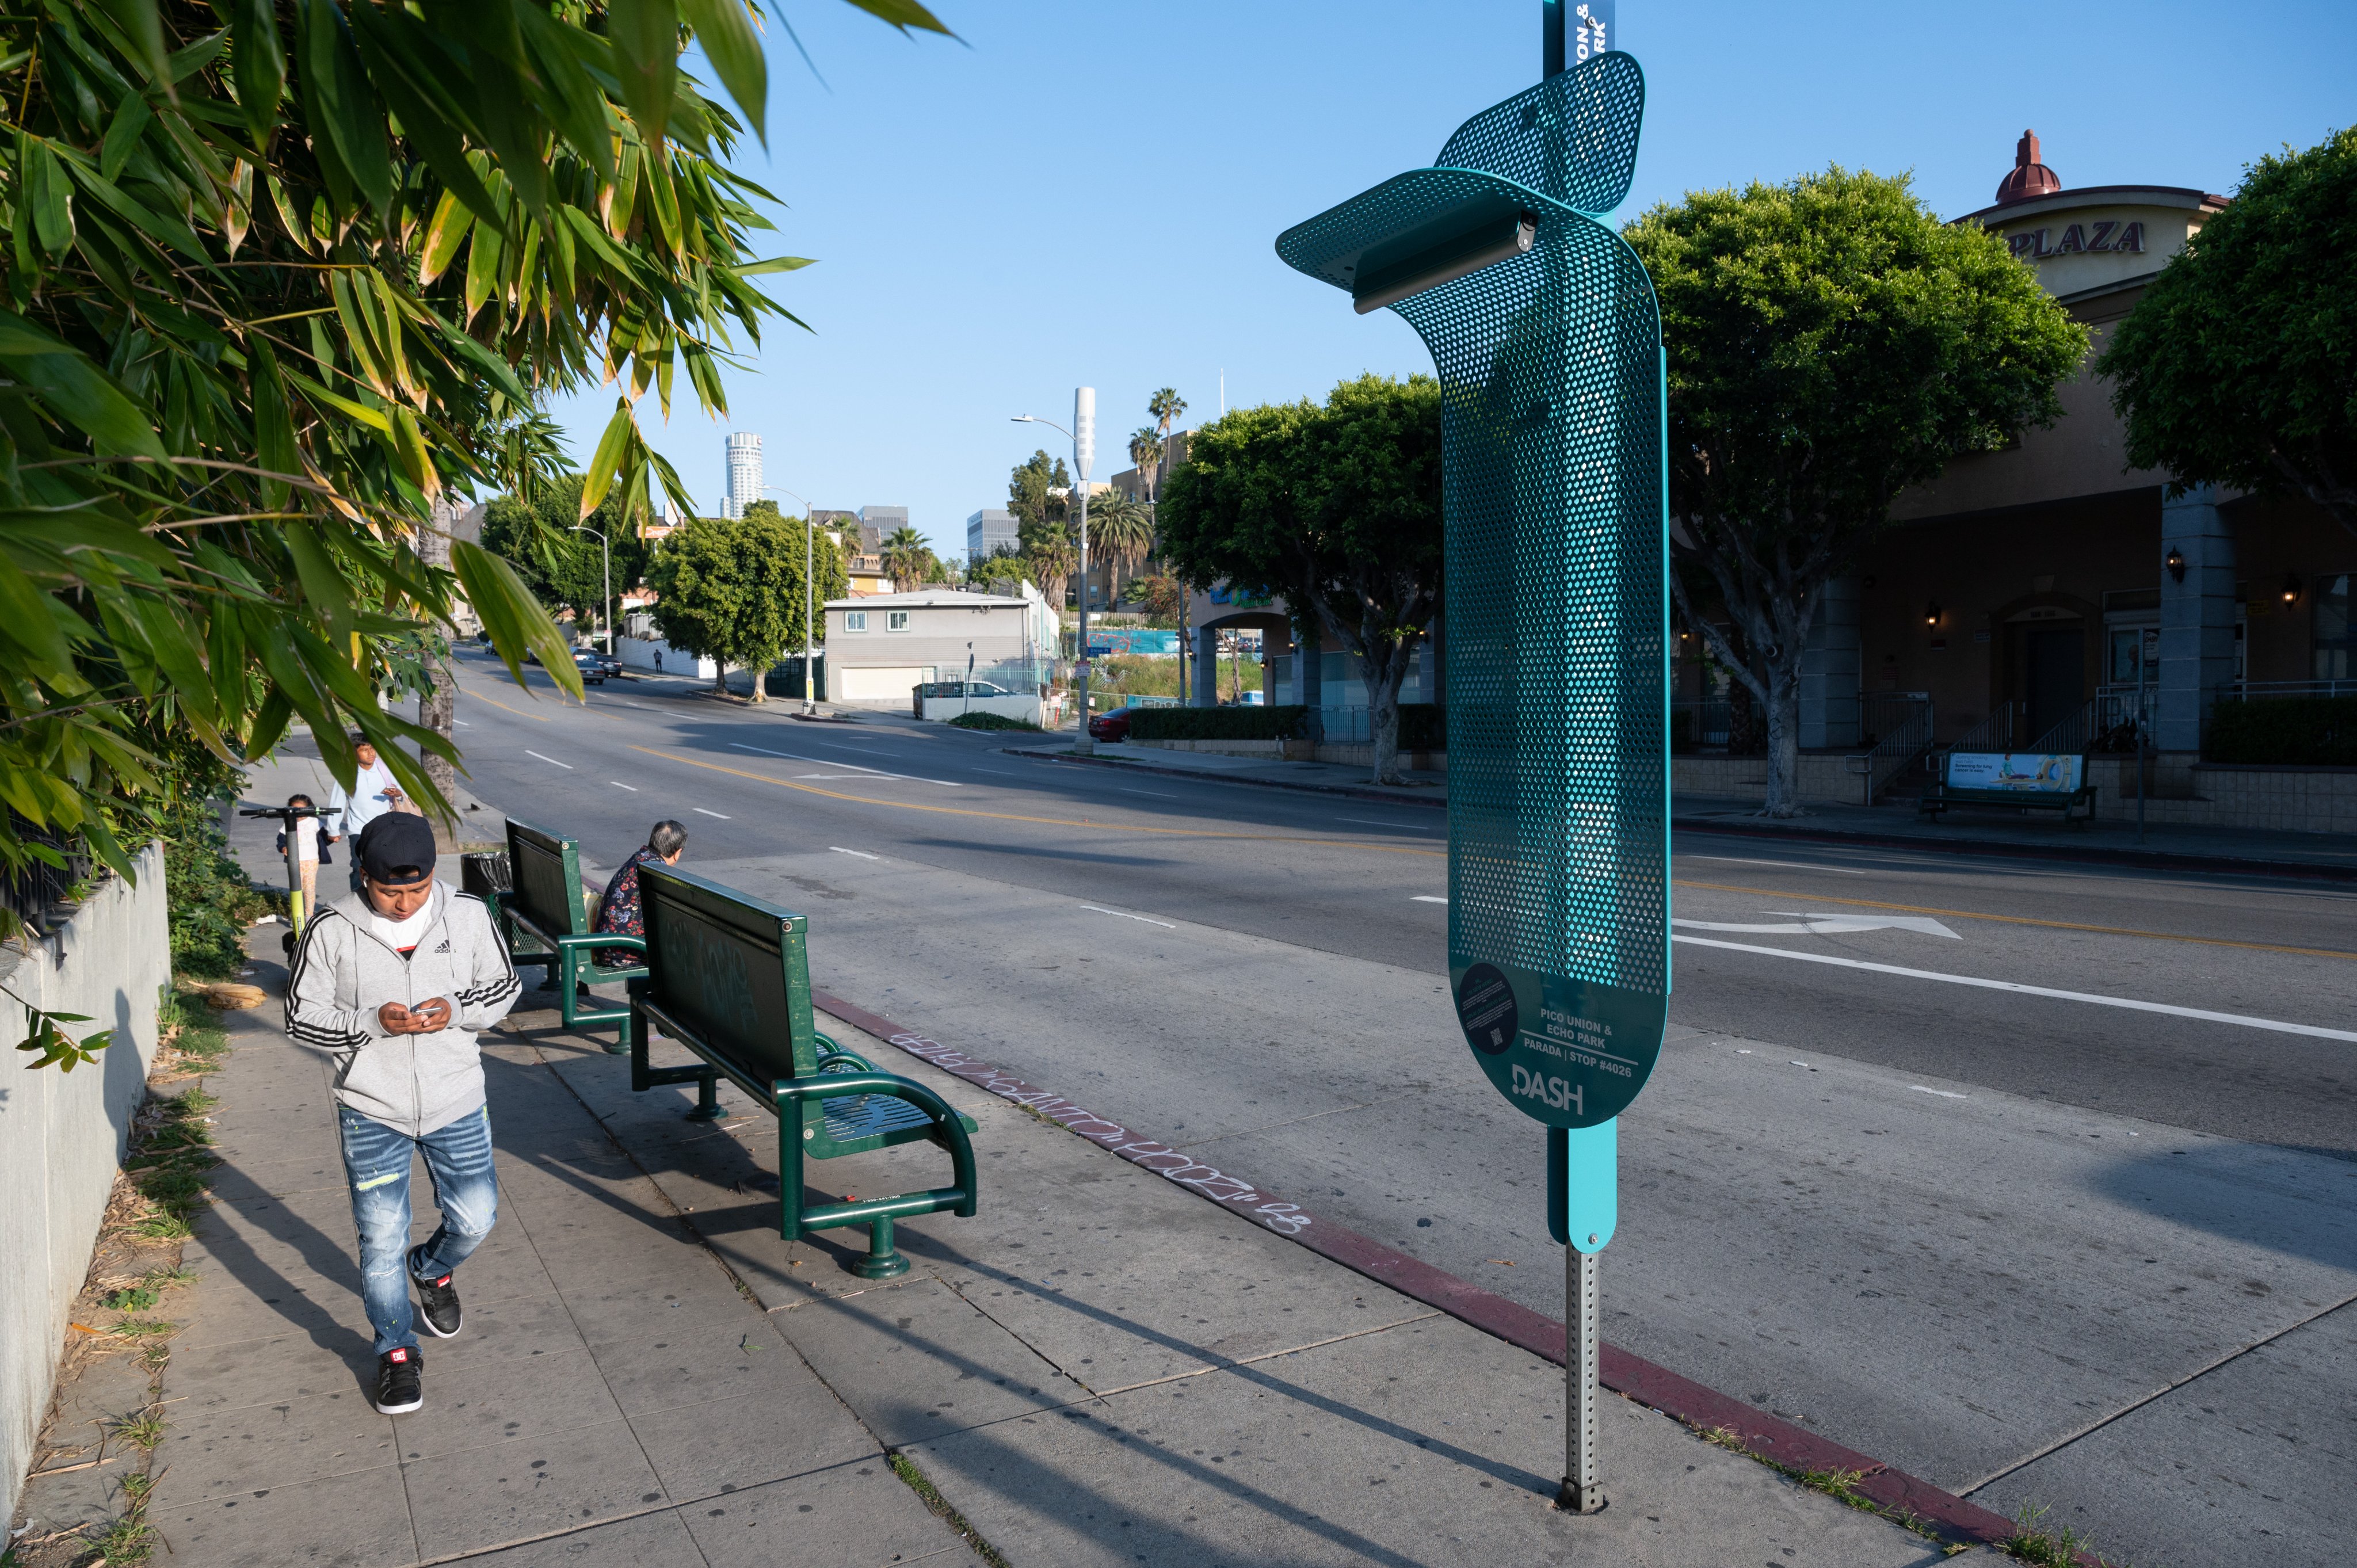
[(725, 30), (774, 265), (76, 390), (274, 421), (613, 451), (444, 233), (645, 34), (123, 134)]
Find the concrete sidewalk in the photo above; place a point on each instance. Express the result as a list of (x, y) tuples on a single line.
[(1894, 825), (1100, 1367)]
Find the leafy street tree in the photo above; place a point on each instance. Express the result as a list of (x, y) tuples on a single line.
[(905, 558), (1123, 529), (1164, 598), (272, 290), (1831, 342), (2239, 365), (560, 566), (1339, 509), (730, 590), (1035, 493), (1050, 559)]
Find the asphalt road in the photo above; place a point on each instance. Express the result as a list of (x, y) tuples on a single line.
[(2027, 1178)]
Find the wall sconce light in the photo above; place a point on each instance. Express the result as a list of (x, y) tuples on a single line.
[(1931, 613), (2291, 588), (2176, 564)]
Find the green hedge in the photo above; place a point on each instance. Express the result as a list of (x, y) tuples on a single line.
[(2298, 731), (1284, 723), (1423, 727)]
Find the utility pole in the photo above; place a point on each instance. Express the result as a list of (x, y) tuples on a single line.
[(1084, 460)]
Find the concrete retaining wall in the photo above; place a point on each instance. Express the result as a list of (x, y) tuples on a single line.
[(1360, 756), (61, 1133), (656, 656), (2183, 792), (1823, 775), (942, 710)]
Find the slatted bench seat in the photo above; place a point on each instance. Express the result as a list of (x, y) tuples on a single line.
[(545, 901), (2014, 781), (728, 976)]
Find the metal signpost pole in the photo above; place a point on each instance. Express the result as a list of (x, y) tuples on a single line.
[(2146, 640), (1543, 328), (605, 568), (1083, 434)]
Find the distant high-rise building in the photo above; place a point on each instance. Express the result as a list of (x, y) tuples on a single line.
[(884, 519), (744, 473), (987, 530)]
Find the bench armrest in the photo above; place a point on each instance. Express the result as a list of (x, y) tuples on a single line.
[(833, 1062), (788, 1094), (603, 939)]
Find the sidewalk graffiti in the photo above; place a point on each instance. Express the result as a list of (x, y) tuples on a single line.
[(1171, 1164)]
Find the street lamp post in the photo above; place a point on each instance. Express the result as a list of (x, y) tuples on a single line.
[(1083, 434), (810, 670), (605, 570)]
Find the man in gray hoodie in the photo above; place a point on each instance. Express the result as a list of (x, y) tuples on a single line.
[(393, 982)]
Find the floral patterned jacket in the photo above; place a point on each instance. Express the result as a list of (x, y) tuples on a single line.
[(618, 910)]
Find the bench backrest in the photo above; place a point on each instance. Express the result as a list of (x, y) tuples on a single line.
[(733, 969), (2015, 772), (546, 873)]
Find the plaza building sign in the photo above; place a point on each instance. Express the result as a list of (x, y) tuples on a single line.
[(2093, 238)]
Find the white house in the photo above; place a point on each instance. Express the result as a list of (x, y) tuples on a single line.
[(881, 645)]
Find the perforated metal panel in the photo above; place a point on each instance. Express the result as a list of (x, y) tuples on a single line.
[(1550, 366)]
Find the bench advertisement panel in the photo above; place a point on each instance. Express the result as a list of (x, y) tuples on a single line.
[(2021, 772)]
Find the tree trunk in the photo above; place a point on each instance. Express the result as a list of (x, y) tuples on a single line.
[(720, 676), (760, 685), (437, 710), (1384, 681), (1783, 737)]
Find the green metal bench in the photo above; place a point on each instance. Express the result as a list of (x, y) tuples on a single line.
[(728, 977), (2056, 783), (544, 900)]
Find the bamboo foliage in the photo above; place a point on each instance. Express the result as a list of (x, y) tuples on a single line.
[(276, 273)]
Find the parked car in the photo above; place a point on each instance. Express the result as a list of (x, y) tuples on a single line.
[(1110, 726), (918, 693), (594, 666)]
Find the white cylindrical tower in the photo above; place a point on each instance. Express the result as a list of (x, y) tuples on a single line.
[(744, 473), (1084, 433)]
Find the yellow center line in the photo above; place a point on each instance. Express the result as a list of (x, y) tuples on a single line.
[(2019, 921), (536, 718), (1044, 821)]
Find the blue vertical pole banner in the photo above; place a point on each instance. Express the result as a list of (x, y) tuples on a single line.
[(1543, 328)]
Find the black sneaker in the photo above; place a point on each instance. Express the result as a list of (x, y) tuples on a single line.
[(399, 1389), (439, 1304)]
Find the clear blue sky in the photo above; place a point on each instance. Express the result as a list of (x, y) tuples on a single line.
[(1088, 193)]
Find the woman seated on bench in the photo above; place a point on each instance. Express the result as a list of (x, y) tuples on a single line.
[(618, 911)]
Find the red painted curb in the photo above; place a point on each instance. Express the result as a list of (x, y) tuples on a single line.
[(1683, 1399)]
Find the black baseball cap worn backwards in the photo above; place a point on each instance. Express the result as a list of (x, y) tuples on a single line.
[(397, 849)]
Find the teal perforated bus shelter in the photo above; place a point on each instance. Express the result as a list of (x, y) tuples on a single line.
[(1543, 329)]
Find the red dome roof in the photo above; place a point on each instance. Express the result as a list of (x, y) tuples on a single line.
[(2029, 177)]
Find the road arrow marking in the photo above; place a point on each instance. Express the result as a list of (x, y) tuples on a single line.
[(1815, 924)]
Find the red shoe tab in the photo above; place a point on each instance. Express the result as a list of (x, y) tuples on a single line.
[(443, 1280), (401, 1355)]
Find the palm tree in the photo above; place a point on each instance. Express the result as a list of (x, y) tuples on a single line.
[(1053, 560), (1125, 530), (1165, 407), (1145, 451), (905, 558)]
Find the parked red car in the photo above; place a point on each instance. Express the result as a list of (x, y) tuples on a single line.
[(1112, 724)]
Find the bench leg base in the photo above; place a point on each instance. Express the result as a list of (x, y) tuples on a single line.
[(707, 1099), (883, 1260)]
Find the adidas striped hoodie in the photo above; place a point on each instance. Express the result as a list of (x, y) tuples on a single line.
[(344, 972)]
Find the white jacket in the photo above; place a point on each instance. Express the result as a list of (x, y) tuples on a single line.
[(344, 972)]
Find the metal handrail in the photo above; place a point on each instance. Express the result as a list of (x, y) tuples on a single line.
[(1994, 733), (1896, 745)]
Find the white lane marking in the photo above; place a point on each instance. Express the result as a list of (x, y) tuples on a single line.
[(1787, 864), (462, 724), (702, 812), (567, 765), (1156, 793), (875, 772), (835, 776), (1815, 924), (1429, 899), (1124, 915), (619, 785), (1947, 1094), (1002, 772), (2275, 1024), (1404, 827), (860, 853), (841, 745)]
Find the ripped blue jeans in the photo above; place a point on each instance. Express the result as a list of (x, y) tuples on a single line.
[(465, 1189)]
